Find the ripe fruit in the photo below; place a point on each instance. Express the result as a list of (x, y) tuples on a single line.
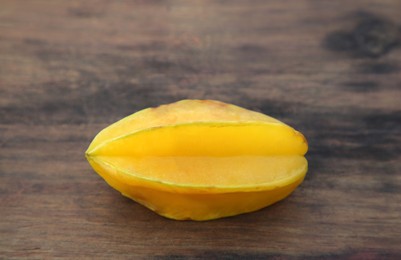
[(200, 159)]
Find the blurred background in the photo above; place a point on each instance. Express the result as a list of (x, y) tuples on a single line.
[(331, 69)]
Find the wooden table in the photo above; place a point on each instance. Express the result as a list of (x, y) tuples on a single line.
[(331, 69)]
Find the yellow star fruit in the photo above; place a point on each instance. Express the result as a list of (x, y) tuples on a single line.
[(200, 159)]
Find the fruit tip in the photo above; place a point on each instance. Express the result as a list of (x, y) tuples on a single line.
[(87, 154)]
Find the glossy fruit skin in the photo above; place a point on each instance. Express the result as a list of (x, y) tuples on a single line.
[(182, 203), (189, 202)]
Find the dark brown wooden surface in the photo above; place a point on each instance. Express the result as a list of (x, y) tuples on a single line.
[(332, 69)]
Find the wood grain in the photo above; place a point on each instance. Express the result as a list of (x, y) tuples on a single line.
[(332, 69)]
